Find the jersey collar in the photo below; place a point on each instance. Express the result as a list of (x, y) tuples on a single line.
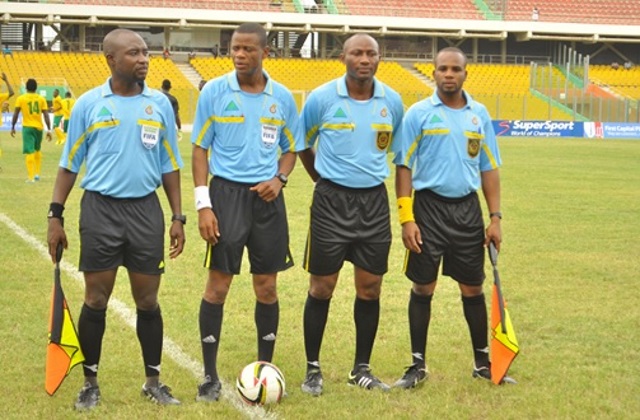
[(106, 89), (436, 101), (378, 89), (232, 80)]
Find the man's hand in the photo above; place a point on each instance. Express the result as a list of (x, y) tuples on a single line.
[(208, 226), (411, 237), (494, 233), (55, 236), (268, 190), (48, 135), (177, 239)]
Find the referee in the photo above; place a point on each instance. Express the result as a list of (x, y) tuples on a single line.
[(352, 119), (446, 152), (249, 123), (125, 132)]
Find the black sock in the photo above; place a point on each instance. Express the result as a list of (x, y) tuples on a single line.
[(475, 312), (149, 327), (210, 326), (419, 317), (267, 317), (91, 325), (316, 312), (366, 314)]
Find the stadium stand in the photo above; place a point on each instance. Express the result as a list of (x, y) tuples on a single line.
[(273, 6), (452, 9), (302, 76), (79, 72), (624, 82), (504, 90), (618, 12)]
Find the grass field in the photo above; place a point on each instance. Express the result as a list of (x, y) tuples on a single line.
[(569, 266)]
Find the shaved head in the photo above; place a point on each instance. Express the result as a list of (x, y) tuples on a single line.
[(117, 39), (353, 38)]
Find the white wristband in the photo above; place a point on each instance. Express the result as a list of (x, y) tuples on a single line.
[(203, 201)]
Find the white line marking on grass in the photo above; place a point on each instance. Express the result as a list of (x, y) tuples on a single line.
[(128, 315)]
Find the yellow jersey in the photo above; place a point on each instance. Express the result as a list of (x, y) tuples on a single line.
[(57, 106), (67, 106), (31, 105)]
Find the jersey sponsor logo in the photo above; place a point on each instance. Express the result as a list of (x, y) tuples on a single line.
[(435, 119), (231, 106), (273, 109), (382, 140), (148, 110), (340, 114), (383, 113)]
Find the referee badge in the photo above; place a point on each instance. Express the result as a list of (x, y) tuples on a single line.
[(149, 135), (382, 139), (473, 146)]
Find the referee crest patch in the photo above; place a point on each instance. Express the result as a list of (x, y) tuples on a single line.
[(382, 139), (473, 146)]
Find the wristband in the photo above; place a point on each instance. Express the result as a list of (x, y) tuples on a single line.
[(405, 210), (55, 210), (203, 201)]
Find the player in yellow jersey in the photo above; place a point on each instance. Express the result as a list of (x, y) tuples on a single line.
[(57, 108), (33, 108), (67, 105), (6, 95)]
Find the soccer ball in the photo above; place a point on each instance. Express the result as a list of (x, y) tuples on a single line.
[(260, 383)]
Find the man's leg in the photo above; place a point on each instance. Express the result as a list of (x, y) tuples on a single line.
[(267, 314)]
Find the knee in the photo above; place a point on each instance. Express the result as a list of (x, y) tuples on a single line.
[(265, 289), (369, 291), (147, 302), (96, 299), (321, 289)]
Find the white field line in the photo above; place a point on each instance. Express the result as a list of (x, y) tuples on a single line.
[(128, 315)]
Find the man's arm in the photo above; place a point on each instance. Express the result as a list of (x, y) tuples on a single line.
[(308, 158), (45, 114), (491, 191), (55, 231), (14, 121), (9, 88), (207, 221), (171, 185), (411, 236)]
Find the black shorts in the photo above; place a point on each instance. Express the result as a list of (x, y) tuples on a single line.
[(348, 224), (127, 232), (452, 231), (244, 219)]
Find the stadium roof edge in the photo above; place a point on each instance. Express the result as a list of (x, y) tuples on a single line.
[(298, 22)]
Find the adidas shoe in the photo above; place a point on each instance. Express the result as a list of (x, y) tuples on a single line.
[(160, 394), (484, 372), (313, 382), (361, 376), (209, 390), (88, 397), (413, 376)]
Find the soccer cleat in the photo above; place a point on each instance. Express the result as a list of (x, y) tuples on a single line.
[(88, 397), (30, 181), (484, 372), (413, 376), (160, 394), (312, 384), (209, 390), (361, 376)]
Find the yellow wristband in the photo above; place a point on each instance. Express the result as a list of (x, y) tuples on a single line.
[(405, 210)]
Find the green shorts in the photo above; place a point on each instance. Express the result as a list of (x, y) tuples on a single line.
[(31, 140), (56, 120)]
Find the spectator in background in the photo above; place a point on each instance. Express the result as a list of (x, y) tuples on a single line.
[(215, 51), (201, 84), (615, 65), (192, 55), (7, 51), (166, 87), (535, 14), (628, 65), (166, 54)]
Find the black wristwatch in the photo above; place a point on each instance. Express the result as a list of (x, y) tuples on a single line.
[(179, 217), (283, 178)]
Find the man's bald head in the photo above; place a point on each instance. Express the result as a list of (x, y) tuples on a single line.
[(117, 39), (357, 37)]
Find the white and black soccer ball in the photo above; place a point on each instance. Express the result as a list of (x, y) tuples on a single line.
[(260, 383)]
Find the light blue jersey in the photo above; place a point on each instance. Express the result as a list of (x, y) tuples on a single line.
[(353, 136), (446, 148), (127, 142), (245, 130)]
